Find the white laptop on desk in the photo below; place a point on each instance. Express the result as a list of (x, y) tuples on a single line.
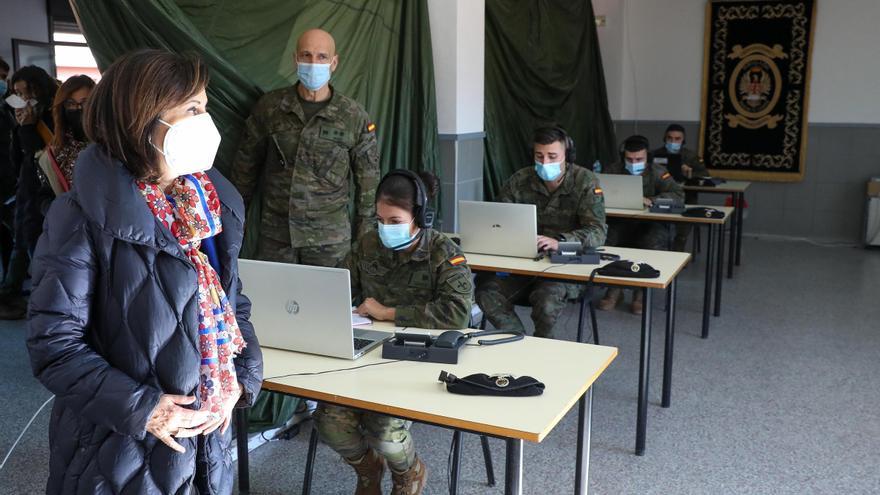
[(503, 229), (305, 309), (622, 191)]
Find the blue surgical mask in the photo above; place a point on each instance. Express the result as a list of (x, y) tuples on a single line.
[(548, 171), (313, 76), (3, 87), (635, 168), (673, 147), (396, 236)]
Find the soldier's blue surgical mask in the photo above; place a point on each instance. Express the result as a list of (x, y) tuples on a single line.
[(635, 168), (673, 147), (313, 76), (548, 171), (396, 236)]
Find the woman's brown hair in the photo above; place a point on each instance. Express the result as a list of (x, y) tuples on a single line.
[(70, 86), (125, 107)]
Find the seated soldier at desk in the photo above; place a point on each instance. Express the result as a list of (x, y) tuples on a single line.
[(570, 207), (415, 276), (657, 182), (683, 163)]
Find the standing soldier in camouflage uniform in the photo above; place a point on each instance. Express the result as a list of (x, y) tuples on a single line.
[(683, 163), (412, 275), (657, 182), (570, 207), (301, 149)]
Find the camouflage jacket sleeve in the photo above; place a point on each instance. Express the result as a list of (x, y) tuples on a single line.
[(251, 155), (453, 294), (507, 194), (665, 185), (591, 216), (365, 168), (692, 160), (354, 274)]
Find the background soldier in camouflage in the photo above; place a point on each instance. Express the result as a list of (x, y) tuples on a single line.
[(570, 207), (683, 164), (425, 283), (657, 182), (301, 149)]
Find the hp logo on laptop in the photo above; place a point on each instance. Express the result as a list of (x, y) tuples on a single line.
[(292, 307)]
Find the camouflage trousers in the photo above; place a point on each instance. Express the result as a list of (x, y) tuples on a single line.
[(351, 433), (641, 235), (497, 295), (682, 232), (331, 255)]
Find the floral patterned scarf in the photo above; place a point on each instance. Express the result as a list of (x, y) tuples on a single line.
[(191, 211)]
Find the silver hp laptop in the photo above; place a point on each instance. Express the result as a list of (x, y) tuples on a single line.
[(503, 229), (622, 191), (305, 309)]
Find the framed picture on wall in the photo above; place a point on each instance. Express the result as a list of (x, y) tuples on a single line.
[(28, 52)]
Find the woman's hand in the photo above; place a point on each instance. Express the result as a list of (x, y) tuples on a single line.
[(225, 418), (26, 115), (170, 420), (373, 308)]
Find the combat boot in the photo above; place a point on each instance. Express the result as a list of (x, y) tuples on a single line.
[(411, 481), (610, 300), (637, 307), (369, 469)]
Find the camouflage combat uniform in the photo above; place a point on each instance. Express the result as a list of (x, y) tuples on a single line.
[(686, 157), (574, 212), (305, 169), (430, 287), (657, 182)]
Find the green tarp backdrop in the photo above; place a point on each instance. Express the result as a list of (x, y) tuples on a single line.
[(542, 65)]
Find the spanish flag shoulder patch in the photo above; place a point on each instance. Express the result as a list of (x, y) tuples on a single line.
[(457, 260), (666, 176), (371, 127), (597, 191)]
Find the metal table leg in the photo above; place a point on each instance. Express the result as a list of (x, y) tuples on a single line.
[(241, 441), (707, 288), (310, 462), (719, 272), (739, 226), (642, 416), (487, 458), (456, 462), (585, 421), (513, 471), (670, 336), (734, 227), (582, 317)]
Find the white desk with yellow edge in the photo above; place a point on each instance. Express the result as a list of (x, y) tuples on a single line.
[(714, 257), (411, 390), (669, 263)]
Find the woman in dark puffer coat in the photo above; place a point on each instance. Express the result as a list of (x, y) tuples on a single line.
[(137, 322)]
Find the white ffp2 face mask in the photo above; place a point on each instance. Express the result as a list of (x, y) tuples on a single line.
[(190, 145)]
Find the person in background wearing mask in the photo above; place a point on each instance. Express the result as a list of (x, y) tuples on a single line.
[(33, 93), (56, 165), (683, 163), (137, 322), (303, 149), (412, 275), (657, 182), (570, 207)]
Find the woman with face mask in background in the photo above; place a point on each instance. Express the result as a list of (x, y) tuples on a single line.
[(56, 165), (410, 274), (137, 322)]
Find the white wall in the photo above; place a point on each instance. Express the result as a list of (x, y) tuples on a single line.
[(458, 46), (23, 20), (653, 52)]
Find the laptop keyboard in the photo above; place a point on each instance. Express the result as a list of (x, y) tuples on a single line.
[(360, 343)]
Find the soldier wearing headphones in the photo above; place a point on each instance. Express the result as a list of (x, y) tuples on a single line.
[(683, 163), (657, 182), (570, 207), (415, 276)]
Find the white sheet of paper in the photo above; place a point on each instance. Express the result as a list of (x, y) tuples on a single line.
[(358, 320)]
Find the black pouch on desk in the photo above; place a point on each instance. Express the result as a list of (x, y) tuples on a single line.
[(496, 385), (626, 268), (702, 212)]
